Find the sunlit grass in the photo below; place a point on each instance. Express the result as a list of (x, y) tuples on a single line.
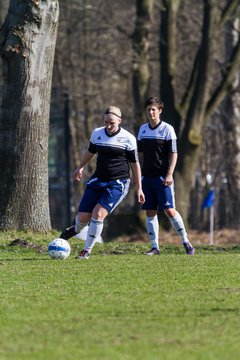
[(119, 304)]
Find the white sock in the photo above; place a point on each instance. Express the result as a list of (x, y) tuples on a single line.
[(153, 230), (78, 225), (178, 225), (94, 232)]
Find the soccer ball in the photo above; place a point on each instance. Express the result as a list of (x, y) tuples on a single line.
[(59, 249)]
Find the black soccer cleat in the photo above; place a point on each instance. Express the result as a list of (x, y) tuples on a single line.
[(68, 233)]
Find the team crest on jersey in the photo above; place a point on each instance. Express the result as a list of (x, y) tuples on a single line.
[(120, 139)]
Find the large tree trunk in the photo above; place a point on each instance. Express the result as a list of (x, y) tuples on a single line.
[(168, 56), (4, 4), (232, 130), (141, 62), (27, 49), (191, 137), (194, 111)]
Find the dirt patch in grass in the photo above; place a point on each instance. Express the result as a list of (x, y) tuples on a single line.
[(221, 237), (26, 244)]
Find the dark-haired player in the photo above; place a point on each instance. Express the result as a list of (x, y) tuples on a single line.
[(157, 146)]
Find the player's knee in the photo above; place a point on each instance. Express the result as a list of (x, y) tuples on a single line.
[(170, 212), (99, 213), (81, 220), (151, 213)]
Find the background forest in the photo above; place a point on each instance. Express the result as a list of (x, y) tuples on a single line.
[(119, 53)]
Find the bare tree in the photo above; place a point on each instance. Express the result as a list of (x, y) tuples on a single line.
[(3, 10), (231, 127), (27, 50), (4, 4), (93, 66), (204, 91), (102, 56), (141, 60)]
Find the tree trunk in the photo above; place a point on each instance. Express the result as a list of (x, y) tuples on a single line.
[(232, 130), (141, 65), (199, 101), (27, 49), (191, 138), (4, 4), (168, 56), (3, 12)]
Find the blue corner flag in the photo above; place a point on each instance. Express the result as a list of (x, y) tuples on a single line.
[(209, 200)]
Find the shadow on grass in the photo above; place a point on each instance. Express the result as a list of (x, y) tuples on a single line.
[(19, 249), (23, 259)]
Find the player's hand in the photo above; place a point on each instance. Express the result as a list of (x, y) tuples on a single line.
[(78, 174), (141, 197), (168, 180)]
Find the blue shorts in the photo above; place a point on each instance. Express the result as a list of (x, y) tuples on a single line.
[(157, 195), (109, 194)]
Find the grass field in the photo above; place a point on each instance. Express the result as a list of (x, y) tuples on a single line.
[(119, 304)]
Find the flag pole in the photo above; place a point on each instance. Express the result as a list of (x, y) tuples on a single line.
[(210, 204), (211, 232)]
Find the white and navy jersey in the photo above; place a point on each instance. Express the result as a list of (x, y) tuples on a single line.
[(114, 153), (156, 144)]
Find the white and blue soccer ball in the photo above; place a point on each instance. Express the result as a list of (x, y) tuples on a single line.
[(59, 249)]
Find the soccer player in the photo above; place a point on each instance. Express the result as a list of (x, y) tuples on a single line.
[(157, 147), (109, 185)]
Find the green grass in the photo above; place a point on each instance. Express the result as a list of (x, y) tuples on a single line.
[(119, 304)]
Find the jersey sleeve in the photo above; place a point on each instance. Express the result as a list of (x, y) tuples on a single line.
[(171, 135), (172, 146), (92, 144), (171, 140), (92, 148), (132, 154)]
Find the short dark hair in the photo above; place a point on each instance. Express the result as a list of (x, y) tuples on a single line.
[(154, 101)]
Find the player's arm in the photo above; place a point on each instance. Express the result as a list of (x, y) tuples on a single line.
[(140, 159), (79, 170), (172, 164), (172, 160), (135, 166)]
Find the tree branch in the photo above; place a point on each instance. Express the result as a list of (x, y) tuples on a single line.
[(228, 11), (226, 82), (190, 87)]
